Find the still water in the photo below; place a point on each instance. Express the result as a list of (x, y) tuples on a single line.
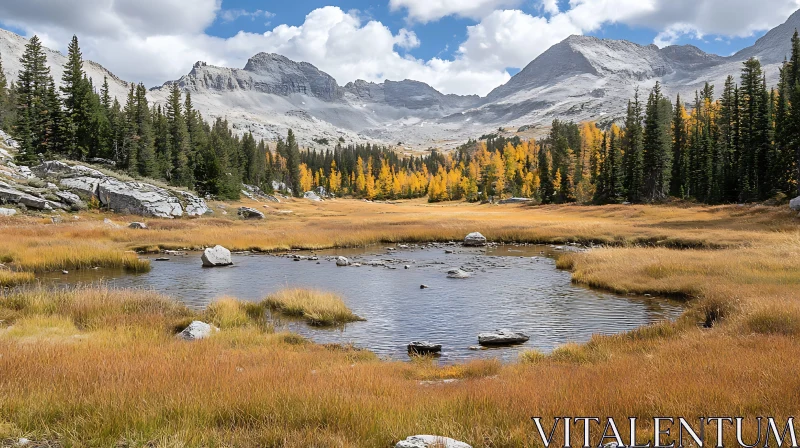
[(513, 287)]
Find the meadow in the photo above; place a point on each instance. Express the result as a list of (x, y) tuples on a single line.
[(98, 367)]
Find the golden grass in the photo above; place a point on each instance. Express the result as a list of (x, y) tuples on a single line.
[(81, 369), (318, 308), (11, 278)]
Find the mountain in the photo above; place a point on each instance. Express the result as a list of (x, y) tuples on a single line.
[(580, 78)]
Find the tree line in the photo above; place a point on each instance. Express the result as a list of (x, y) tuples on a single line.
[(743, 146)]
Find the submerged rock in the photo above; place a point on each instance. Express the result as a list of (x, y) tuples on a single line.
[(250, 213), (423, 348), (502, 337), (428, 441), (475, 239), (197, 330), (216, 256), (458, 273)]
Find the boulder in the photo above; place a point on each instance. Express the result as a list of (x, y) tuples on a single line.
[(342, 261), (794, 204), (311, 196), (250, 213), (137, 225), (7, 211), (139, 199), (197, 330), (458, 273), (111, 224), (427, 441), (475, 239), (216, 256), (71, 199), (424, 348), (502, 337)]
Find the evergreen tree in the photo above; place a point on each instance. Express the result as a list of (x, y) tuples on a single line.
[(754, 135), (293, 164), (31, 127), (680, 137), (656, 154), (632, 146)]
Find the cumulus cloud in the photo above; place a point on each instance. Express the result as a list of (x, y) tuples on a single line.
[(158, 40), (430, 10)]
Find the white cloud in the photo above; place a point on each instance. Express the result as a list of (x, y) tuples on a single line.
[(159, 40), (232, 15), (431, 10)]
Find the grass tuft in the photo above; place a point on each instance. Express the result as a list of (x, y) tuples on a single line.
[(11, 278), (315, 307)]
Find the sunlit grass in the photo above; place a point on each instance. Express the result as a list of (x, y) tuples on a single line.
[(11, 278), (315, 307)]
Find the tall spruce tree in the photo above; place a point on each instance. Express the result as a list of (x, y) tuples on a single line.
[(32, 124), (656, 154), (632, 146), (680, 141), (293, 164)]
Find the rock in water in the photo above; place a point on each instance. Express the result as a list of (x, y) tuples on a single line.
[(250, 213), (137, 225), (475, 239), (458, 273), (423, 348), (427, 441), (216, 256), (794, 204), (502, 337), (197, 330), (342, 261)]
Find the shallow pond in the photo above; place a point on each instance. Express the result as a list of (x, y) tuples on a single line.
[(514, 287)]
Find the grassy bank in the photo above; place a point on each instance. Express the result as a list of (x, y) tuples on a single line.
[(100, 368)]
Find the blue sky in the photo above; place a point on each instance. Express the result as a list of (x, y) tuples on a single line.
[(464, 47)]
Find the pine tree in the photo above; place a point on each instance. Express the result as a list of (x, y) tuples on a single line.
[(632, 147), (293, 165), (655, 148), (32, 122), (75, 88), (180, 142), (753, 141), (680, 137)]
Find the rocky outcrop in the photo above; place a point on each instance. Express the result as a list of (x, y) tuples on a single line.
[(216, 256), (424, 348), (502, 337), (475, 239), (794, 204), (427, 441), (250, 213), (11, 195), (132, 197), (197, 330)]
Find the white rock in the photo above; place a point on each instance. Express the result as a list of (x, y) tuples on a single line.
[(458, 273), (342, 261), (427, 441), (197, 330), (311, 196), (7, 212), (502, 337), (250, 213), (216, 256), (794, 204), (137, 225), (137, 198), (475, 239)]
